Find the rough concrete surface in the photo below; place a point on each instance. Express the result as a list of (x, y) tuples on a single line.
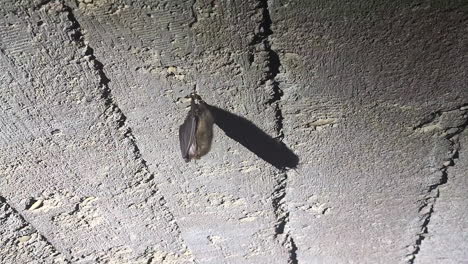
[(340, 131)]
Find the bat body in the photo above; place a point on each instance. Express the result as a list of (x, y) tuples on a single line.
[(196, 133)]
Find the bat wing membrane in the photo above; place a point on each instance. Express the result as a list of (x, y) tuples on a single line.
[(187, 135)]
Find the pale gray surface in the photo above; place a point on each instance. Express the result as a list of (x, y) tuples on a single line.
[(371, 97)]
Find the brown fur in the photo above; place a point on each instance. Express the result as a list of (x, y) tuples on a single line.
[(204, 131)]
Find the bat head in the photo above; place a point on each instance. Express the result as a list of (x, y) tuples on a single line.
[(196, 99)]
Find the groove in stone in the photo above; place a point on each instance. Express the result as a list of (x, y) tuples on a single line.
[(430, 201), (19, 215), (280, 209), (113, 108)]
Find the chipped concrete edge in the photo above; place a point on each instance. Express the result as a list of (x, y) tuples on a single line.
[(115, 114), (262, 39), (432, 193), (54, 250)]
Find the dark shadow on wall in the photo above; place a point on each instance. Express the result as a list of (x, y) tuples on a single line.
[(254, 139)]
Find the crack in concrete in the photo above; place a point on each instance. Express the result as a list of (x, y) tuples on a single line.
[(282, 232), (434, 115), (54, 249), (273, 65), (427, 209), (113, 110), (194, 14), (41, 4)]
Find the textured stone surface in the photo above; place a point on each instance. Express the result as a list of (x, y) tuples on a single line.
[(340, 132), (446, 242)]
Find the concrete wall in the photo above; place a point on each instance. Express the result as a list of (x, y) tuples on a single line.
[(341, 131)]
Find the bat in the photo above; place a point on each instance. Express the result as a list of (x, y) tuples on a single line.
[(196, 133)]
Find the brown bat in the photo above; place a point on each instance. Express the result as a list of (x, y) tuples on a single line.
[(196, 133)]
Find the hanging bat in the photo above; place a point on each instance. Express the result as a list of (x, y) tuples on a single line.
[(196, 133)]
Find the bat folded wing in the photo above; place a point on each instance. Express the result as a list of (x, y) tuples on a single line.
[(187, 136)]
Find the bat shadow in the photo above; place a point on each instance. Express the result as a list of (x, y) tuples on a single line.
[(254, 139)]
